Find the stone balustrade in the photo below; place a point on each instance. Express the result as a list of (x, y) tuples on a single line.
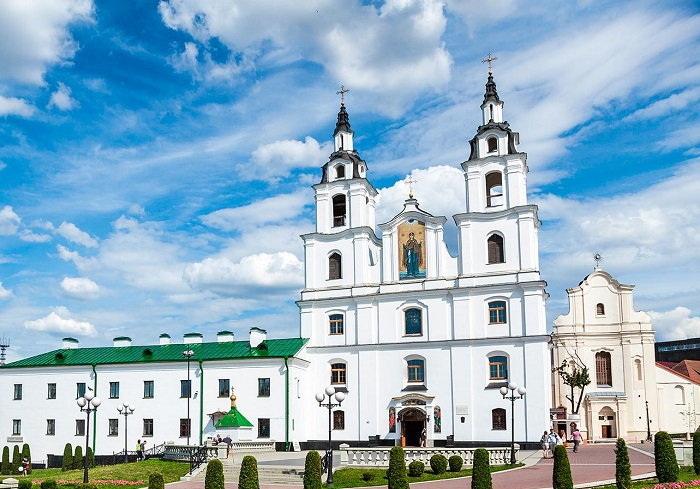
[(379, 456)]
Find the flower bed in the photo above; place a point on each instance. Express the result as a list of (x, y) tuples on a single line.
[(677, 485), (99, 482)]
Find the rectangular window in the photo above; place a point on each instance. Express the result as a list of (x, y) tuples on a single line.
[(185, 388), (263, 427), (336, 323), (80, 389), (18, 392), (79, 427), (224, 387), (338, 420), (338, 373), (113, 427), (263, 387), (148, 389), (497, 312), (114, 390), (50, 427), (416, 370), (498, 368), (498, 419), (16, 427), (184, 428), (147, 427), (51, 391)]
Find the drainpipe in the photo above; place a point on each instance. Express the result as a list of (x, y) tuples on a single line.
[(201, 401), (286, 404), (94, 413)]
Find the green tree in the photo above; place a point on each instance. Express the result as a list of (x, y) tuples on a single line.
[(214, 479), (312, 471), (78, 461), (5, 467), (696, 452), (623, 471), (155, 481), (67, 463), (578, 378), (561, 473), (26, 452), (481, 472), (665, 458), (91, 458), (16, 458), (248, 478), (396, 474)]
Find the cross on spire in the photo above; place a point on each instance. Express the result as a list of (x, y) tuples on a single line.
[(597, 258), (490, 59), (342, 93), (410, 181)]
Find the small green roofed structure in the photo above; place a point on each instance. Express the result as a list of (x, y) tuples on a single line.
[(234, 423)]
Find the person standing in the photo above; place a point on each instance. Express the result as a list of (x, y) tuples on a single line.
[(545, 445), (552, 440), (138, 450), (143, 449), (576, 435)]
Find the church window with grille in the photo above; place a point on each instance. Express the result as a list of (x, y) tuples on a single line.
[(494, 189), (495, 248), (336, 323), (498, 419), (334, 267), (338, 373), (497, 312), (338, 420), (498, 367), (339, 210), (414, 321), (492, 144), (603, 371), (600, 309)]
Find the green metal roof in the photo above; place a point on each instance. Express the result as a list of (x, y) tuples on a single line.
[(229, 350), (233, 419)]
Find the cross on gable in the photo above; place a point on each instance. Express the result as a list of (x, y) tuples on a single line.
[(410, 181), (490, 59)]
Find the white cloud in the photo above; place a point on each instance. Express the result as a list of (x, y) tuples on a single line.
[(75, 235), (79, 261), (15, 106), (31, 237), (59, 321), (9, 221), (187, 59), (61, 98), (672, 104), (80, 288), (676, 324), (273, 209), (4, 293), (274, 161)]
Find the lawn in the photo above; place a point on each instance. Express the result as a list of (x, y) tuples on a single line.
[(136, 472), (352, 477), (686, 474)]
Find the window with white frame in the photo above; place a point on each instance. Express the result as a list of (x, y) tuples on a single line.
[(335, 322)]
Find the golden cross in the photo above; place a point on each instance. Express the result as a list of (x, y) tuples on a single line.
[(489, 60), (342, 93), (410, 181)]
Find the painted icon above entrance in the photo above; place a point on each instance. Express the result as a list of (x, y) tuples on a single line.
[(411, 249)]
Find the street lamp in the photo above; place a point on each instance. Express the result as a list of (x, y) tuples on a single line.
[(512, 387), (87, 403), (340, 397), (125, 409), (188, 354)]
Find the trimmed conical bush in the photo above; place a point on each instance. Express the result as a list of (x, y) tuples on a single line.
[(481, 472), (397, 469), (312, 471), (5, 467), (696, 452), (561, 472), (16, 458), (78, 461), (67, 463), (623, 471), (665, 458), (248, 478), (214, 478)]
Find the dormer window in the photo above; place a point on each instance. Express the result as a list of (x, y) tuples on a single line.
[(340, 171), (339, 210), (494, 189), (492, 142)]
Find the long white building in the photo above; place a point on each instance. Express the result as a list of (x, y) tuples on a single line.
[(417, 338)]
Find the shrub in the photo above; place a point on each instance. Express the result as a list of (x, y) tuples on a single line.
[(16, 459), (214, 479), (312, 471), (397, 469), (248, 479), (438, 463), (24, 484), (665, 458), (67, 463), (367, 476), (623, 471), (561, 473), (455, 462), (27, 453), (91, 458), (416, 468), (481, 473), (48, 484), (78, 461), (696, 452), (5, 467), (155, 481)]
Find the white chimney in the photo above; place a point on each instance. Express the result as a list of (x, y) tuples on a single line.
[(121, 341), (192, 338), (165, 339), (257, 336), (70, 343), (224, 336)]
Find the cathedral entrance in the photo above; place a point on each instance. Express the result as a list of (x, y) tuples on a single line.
[(413, 422)]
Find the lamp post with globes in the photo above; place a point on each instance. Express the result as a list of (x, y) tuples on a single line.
[(512, 387), (340, 397), (125, 410), (87, 403)]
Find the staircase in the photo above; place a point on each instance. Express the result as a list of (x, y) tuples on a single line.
[(267, 474)]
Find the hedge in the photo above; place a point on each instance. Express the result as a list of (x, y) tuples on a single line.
[(561, 472), (623, 471), (665, 458), (438, 463), (5, 467), (416, 468), (696, 452), (155, 481), (214, 479), (67, 463)]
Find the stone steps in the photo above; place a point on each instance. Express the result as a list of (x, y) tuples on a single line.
[(266, 474)]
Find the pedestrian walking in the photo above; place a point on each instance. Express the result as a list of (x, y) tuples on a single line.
[(545, 445), (143, 449), (576, 435), (561, 436), (229, 443), (552, 440)]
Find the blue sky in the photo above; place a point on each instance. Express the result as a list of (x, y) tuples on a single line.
[(156, 157)]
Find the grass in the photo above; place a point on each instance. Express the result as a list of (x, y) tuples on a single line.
[(686, 474), (134, 472), (352, 477)]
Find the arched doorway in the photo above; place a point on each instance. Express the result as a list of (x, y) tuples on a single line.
[(413, 421), (606, 417)]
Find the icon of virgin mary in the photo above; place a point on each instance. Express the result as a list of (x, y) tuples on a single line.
[(412, 258)]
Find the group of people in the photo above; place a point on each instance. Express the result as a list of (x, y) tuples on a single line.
[(550, 440), (140, 450), (229, 442)]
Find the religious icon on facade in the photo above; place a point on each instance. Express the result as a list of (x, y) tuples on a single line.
[(392, 420), (411, 249), (437, 419)]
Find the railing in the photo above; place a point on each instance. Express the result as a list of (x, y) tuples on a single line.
[(252, 446), (155, 450), (199, 456), (379, 457), (184, 453), (324, 461)]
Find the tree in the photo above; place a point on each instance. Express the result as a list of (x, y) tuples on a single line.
[(481, 472), (312, 471), (91, 458), (214, 478), (665, 458), (26, 452), (561, 472), (16, 458), (623, 471), (397, 469), (696, 452), (78, 461), (578, 378), (67, 463), (5, 467), (248, 478)]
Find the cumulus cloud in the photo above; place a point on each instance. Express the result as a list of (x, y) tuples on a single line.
[(4, 293), (15, 106), (274, 161), (75, 235), (676, 324), (9, 221), (61, 98), (60, 321), (80, 288), (32, 237), (83, 263), (273, 209)]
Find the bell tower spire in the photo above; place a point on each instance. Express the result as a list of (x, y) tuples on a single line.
[(492, 106), (343, 135)]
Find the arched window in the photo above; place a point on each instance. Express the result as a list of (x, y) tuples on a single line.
[(336, 324), (494, 189), (416, 370), (413, 321), (600, 309), (679, 394), (334, 267), (603, 370), (498, 367), (495, 246), (338, 420), (340, 171), (498, 419), (492, 143), (638, 365), (339, 211), (339, 373), (497, 312), (491, 110)]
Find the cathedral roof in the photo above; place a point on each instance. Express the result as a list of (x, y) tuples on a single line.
[(513, 137), (233, 419), (351, 156)]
